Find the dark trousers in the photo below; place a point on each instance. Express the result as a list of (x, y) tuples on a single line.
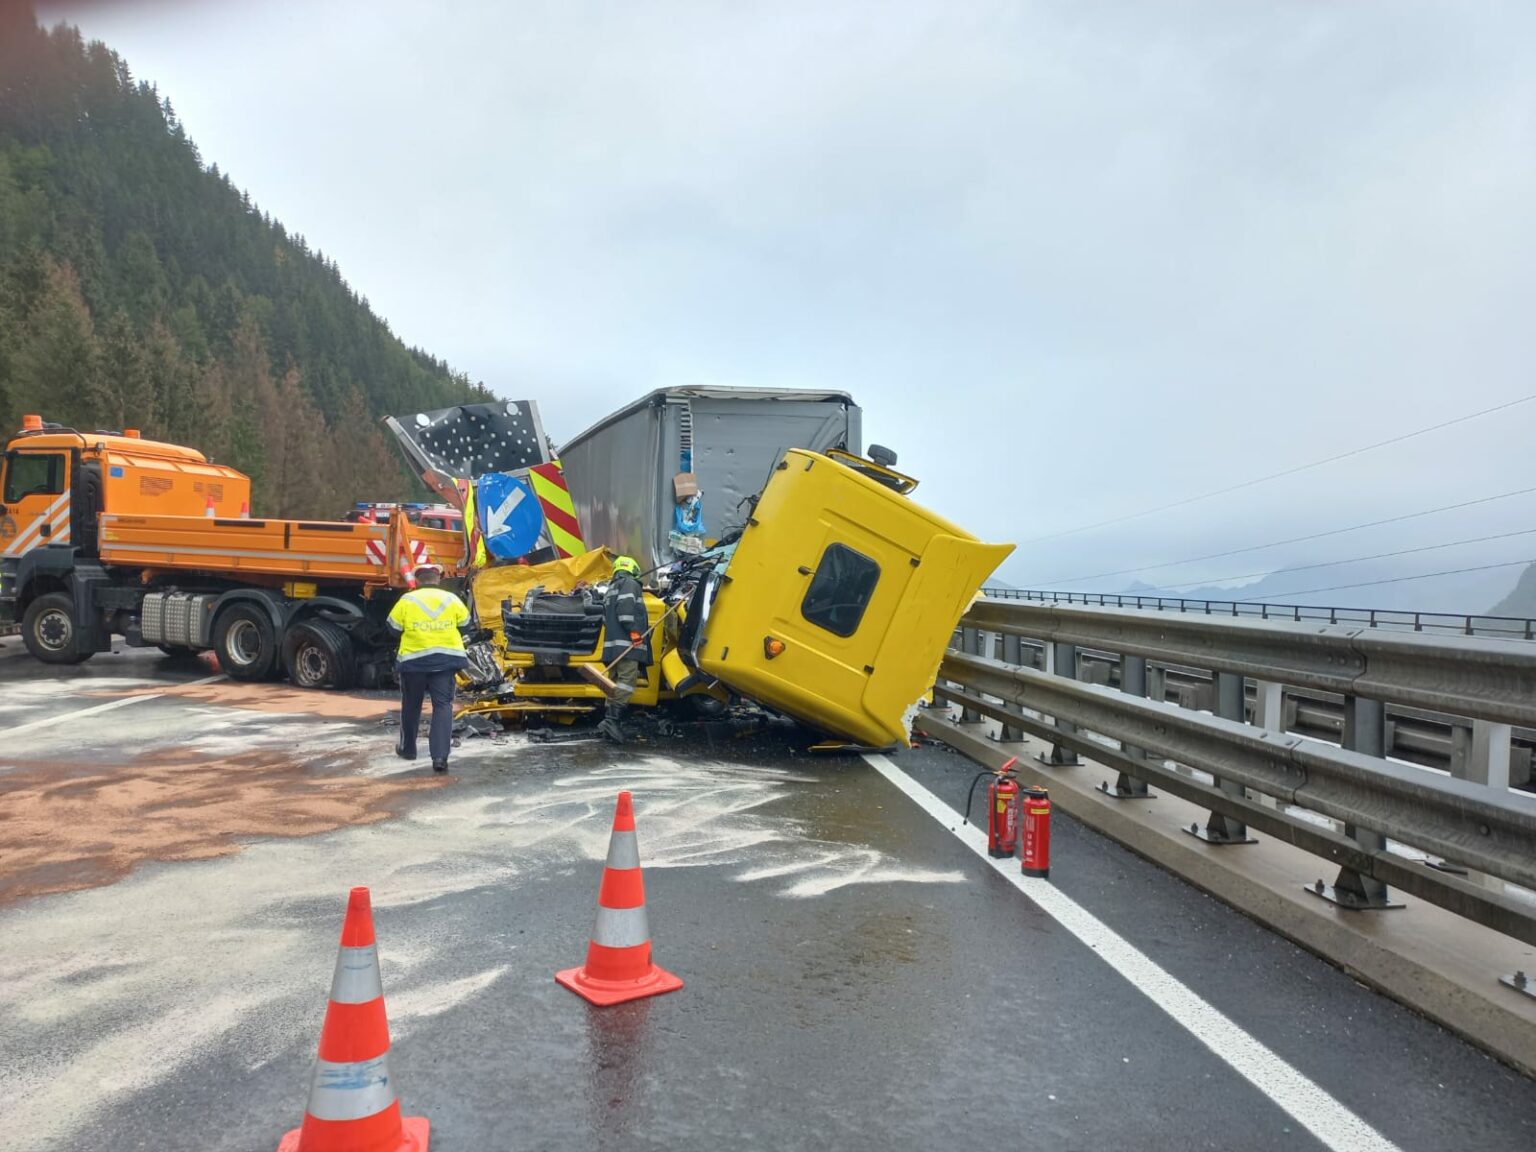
[(413, 687)]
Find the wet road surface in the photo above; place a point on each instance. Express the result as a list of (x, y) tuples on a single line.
[(856, 977)]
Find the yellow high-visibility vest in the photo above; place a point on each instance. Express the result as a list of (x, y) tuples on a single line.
[(429, 621)]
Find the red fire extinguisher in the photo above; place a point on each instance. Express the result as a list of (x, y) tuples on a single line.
[(1035, 856), (1002, 809)]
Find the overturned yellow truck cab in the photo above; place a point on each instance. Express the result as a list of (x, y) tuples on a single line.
[(839, 599), (831, 602)]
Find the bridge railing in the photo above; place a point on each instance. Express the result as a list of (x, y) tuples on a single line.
[(1464, 844), (1449, 623)]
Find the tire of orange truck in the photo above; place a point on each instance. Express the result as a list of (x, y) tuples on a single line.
[(246, 642), (48, 630), (318, 654)]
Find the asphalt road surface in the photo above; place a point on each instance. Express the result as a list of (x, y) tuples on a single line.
[(175, 855)]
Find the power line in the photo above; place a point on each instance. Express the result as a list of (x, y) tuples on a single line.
[(1393, 580), (1338, 563), (1293, 540), (1286, 472)]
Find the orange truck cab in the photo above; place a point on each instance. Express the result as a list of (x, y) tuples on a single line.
[(107, 533)]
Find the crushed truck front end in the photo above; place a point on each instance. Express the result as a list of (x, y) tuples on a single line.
[(839, 601)]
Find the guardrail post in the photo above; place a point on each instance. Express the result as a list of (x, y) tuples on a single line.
[(1013, 655), (1269, 706), (1365, 731), (1133, 681), (970, 644), (1490, 755), (1269, 714), (1061, 660), (1221, 829)]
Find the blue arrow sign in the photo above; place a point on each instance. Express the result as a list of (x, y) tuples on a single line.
[(510, 517)]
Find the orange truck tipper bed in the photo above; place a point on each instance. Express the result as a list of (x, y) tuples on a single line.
[(322, 550), (106, 533)]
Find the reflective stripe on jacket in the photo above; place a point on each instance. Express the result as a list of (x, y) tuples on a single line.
[(623, 613), (428, 620)]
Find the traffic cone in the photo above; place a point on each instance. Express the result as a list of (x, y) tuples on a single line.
[(208, 509), (618, 966), (245, 509), (353, 1106)]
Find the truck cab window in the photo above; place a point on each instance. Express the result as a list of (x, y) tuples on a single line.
[(840, 591), (33, 474)]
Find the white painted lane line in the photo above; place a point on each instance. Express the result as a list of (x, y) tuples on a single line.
[(1314, 1109), (50, 721)]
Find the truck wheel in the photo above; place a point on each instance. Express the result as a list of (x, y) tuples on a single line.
[(705, 706), (245, 642), (318, 654), (48, 630)]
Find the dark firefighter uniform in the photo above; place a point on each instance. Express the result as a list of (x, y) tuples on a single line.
[(624, 624)]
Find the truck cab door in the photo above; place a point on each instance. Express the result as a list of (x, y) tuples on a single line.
[(34, 501)]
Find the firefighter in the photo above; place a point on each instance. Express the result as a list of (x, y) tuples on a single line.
[(624, 650), (427, 620)]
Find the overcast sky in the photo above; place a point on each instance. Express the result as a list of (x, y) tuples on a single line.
[(1073, 259)]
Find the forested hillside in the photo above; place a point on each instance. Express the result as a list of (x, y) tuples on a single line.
[(141, 288)]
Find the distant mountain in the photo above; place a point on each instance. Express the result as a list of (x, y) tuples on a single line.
[(1521, 601), (1359, 586), (139, 287)]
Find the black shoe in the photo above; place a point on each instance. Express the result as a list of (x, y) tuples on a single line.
[(402, 753), (439, 765), (610, 728)]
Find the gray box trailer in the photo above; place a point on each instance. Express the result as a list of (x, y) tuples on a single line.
[(621, 470)]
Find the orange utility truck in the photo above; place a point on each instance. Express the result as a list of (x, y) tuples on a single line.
[(105, 533)]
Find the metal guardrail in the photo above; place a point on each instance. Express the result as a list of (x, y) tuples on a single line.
[(1466, 624), (1482, 678), (1427, 737), (1477, 826)]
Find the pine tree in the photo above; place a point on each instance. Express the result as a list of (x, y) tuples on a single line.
[(366, 466), (173, 389), (56, 366), (125, 374)]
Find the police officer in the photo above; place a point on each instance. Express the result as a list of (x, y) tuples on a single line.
[(428, 620), (624, 626)]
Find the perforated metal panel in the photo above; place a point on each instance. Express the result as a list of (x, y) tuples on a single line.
[(181, 618), (473, 439)]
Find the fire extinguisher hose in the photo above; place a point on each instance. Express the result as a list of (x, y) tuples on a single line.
[(971, 794)]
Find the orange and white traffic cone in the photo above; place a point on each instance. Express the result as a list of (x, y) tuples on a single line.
[(245, 509), (208, 509), (619, 966), (353, 1106)]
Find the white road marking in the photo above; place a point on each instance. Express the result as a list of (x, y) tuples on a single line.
[(50, 721), (1314, 1109)]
